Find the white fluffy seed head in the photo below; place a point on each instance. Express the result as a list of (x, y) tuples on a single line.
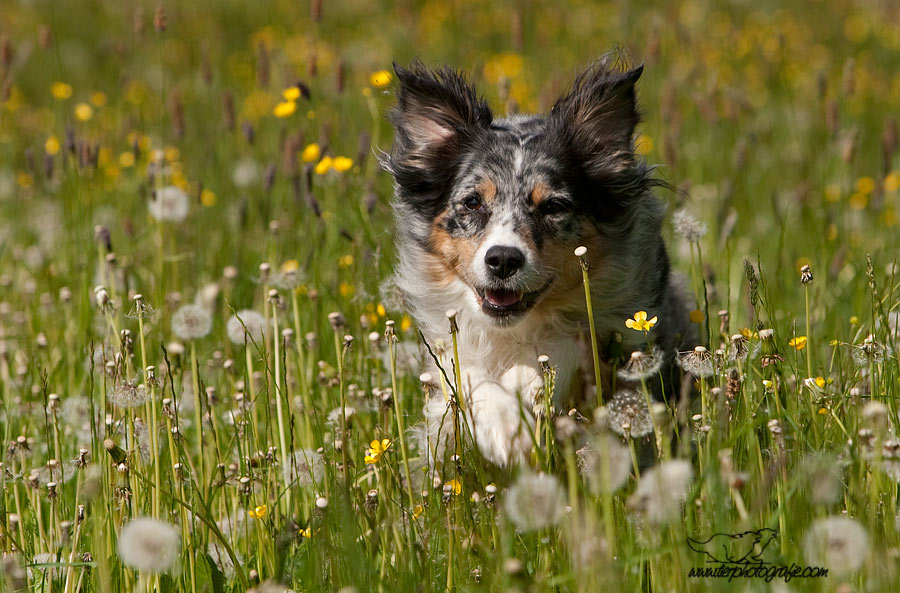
[(129, 395), (149, 545), (580, 251), (840, 544), (662, 490), (191, 322), (254, 323), (535, 501), (169, 204)]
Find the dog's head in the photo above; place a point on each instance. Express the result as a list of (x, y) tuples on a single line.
[(502, 204)]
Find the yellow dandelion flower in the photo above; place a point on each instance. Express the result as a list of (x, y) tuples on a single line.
[(324, 165), (342, 163), (290, 265), (376, 450), (417, 511), (380, 310), (171, 153), (746, 332), (865, 185), (380, 79), (405, 323), (83, 112), (455, 486), (696, 316), (291, 93), (854, 320), (892, 182), (640, 322), (834, 343), (345, 261), (311, 153), (258, 512), (305, 533), (126, 159), (823, 411), (798, 343), (24, 180), (820, 382), (285, 109), (207, 198), (51, 146), (61, 90), (346, 289)]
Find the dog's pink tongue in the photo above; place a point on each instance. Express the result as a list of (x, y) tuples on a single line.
[(503, 298)]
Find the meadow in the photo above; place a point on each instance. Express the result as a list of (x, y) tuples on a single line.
[(209, 385)]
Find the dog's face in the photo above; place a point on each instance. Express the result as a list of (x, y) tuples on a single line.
[(501, 205)]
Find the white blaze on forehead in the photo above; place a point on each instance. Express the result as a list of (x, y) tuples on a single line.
[(518, 160)]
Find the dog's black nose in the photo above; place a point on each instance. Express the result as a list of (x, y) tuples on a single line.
[(503, 262)]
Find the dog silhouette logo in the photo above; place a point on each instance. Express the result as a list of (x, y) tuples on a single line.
[(734, 548)]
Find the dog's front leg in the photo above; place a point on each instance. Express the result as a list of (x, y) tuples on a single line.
[(501, 423)]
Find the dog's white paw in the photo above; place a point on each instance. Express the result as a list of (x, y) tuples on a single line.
[(502, 428)]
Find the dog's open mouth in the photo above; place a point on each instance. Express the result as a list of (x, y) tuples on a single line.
[(503, 302)]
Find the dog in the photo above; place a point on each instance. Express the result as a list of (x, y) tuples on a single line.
[(488, 213)]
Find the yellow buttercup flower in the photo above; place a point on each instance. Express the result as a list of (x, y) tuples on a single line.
[(405, 323), (305, 533), (290, 265), (310, 153), (126, 159), (697, 316), (455, 486), (208, 197), (259, 512), (798, 343), (345, 261), (640, 322), (285, 109), (99, 99), (61, 90), (376, 450), (865, 185), (51, 146), (324, 165), (342, 163), (418, 510), (83, 112), (380, 78), (291, 93)]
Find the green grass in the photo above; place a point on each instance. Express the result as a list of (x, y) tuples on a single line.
[(774, 117)]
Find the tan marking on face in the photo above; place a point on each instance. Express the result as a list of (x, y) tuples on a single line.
[(487, 189), (455, 254), (539, 193)]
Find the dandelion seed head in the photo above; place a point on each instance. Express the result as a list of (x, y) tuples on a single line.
[(875, 415), (149, 545), (254, 323), (308, 467), (687, 227), (535, 501), (129, 395), (839, 543), (662, 490), (629, 415), (698, 362), (169, 204), (605, 462), (191, 322), (641, 366)]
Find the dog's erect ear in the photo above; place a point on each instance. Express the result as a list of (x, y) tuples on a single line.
[(437, 112), (597, 118)]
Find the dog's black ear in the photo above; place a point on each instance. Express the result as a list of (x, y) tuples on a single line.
[(437, 113), (598, 117)]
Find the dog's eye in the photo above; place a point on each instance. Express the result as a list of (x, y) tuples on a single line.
[(555, 207), (472, 203)]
